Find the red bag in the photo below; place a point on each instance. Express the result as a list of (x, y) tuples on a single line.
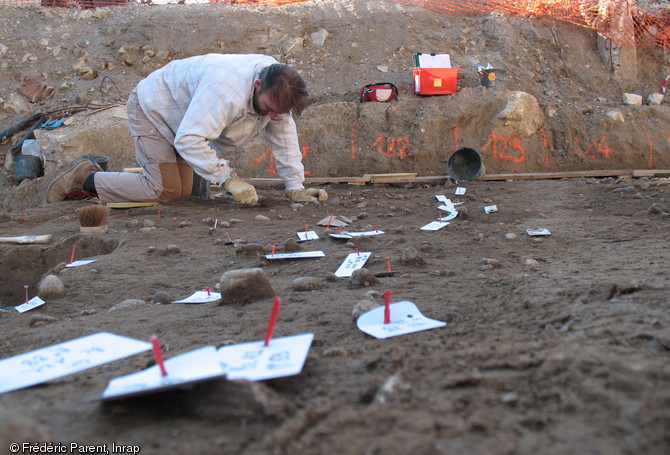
[(381, 92)]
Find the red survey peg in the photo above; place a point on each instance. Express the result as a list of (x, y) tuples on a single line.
[(273, 320), (387, 306), (158, 355)]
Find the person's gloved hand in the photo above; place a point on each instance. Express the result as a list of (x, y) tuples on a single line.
[(309, 195), (242, 192)]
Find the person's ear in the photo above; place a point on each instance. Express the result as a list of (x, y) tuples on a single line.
[(257, 84)]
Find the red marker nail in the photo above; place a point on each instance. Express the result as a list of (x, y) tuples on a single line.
[(357, 252), (158, 215), (174, 222), (329, 220), (207, 289), (387, 306), (273, 320), (126, 213), (388, 264), (158, 355), (74, 247), (375, 227), (306, 227), (25, 286), (274, 247)]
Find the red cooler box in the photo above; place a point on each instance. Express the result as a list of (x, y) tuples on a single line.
[(435, 81)]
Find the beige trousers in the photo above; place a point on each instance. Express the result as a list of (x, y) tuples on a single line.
[(165, 174)]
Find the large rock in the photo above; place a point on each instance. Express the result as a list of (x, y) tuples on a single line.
[(245, 285), (521, 115)]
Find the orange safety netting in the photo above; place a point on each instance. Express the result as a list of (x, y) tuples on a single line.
[(622, 21)]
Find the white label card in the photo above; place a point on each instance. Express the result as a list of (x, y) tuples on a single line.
[(296, 255), (307, 235), (491, 208), (80, 263), (201, 297), (255, 362), (405, 318), (434, 225), (188, 368), (536, 232), (460, 191), (334, 221), (29, 305), (352, 262), (349, 235), (451, 213), (66, 358)]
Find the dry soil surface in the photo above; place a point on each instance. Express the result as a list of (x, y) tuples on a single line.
[(554, 345)]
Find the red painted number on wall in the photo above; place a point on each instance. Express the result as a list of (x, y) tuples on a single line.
[(506, 148), (391, 146)]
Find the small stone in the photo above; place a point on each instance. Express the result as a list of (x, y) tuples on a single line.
[(654, 99), (363, 306), (171, 249), (657, 209), (411, 257), (492, 262), (245, 285), (128, 303), (250, 249), (163, 297), (631, 99), (40, 320), (319, 37), (363, 278), (291, 246), (306, 283), (51, 287), (261, 218)]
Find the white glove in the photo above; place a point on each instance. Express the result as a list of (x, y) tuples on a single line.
[(242, 192), (309, 195)]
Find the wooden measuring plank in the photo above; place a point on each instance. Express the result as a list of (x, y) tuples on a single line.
[(270, 182), (559, 175), (426, 179), (651, 173), (379, 179)]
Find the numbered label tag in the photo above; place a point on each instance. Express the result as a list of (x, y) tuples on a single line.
[(255, 362), (80, 263), (352, 263), (434, 225), (29, 305), (491, 208), (307, 235), (405, 318), (66, 358), (460, 191), (184, 369), (201, 297), (296, 255), (349, 235), (538, 232)]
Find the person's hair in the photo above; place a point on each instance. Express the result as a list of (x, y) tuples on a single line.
[(285, 87)]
